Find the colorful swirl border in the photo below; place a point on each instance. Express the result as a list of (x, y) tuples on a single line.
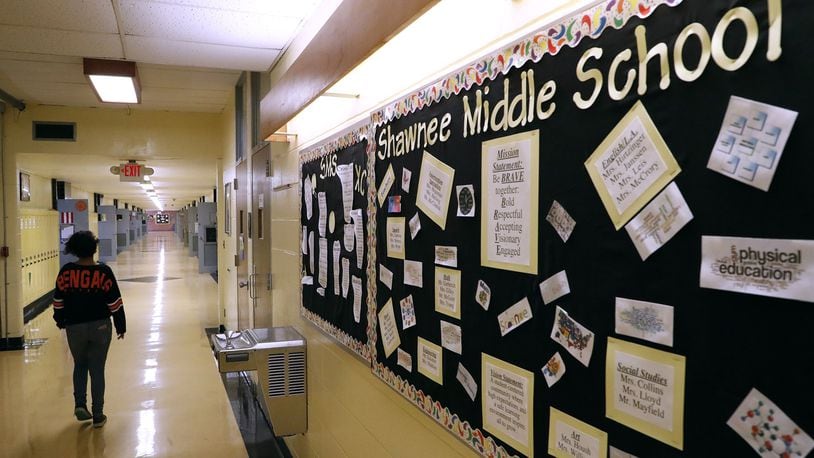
[(548, 40)]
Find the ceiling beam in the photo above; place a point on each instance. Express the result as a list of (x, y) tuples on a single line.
[(354, 31)]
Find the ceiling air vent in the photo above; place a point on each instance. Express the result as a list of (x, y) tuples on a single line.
[(54, 131)]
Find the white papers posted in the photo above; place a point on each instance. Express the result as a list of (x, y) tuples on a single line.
[(555, 287), (659, 221), (752, 138)]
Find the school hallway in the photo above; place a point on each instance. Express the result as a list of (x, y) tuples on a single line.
[(164, 395)]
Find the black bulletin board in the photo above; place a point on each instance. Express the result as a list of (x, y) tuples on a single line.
[(732, 341), (334, 313)]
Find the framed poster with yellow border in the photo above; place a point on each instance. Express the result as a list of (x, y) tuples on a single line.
[(434, 189), (430, 360), (448, 292), (509, 202), (569, 437), (507, 403), (631, 165), (396, 238), (389, 329), (644, 390)]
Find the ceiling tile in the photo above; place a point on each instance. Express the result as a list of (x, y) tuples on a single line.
[(83, 16), (207, 25), (177, 77), (158, 51), (47, 41)]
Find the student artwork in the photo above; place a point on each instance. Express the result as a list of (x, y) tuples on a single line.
[(304, 240), (483, 295), (765, 267), (644, 390), (631, 165), (413, 274), (466, 200), (514, 316), (752, 138), (659, 221), (467, 381), (451, 337), (434, 189), (645, 320), (767, 429), (574, 337), (561, 221), (554, 369), (405, 360), (394, 204), (406, 175), (446, 255), (407, 312), (386, 276), (331, 222), (555, 287), (385, 185), (415, 226)]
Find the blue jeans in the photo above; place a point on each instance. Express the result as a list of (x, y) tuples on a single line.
[(89, 343)]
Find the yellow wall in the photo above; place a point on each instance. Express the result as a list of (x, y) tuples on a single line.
[(227, 275), (39, 249), (39, 242)]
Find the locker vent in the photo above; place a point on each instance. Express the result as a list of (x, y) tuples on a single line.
[(121, 239), (276, 375), (106, 247), (296, 373)]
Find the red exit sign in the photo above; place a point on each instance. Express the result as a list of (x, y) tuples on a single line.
[(130, 170)]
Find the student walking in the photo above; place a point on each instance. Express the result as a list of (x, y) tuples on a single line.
[(85, 298)]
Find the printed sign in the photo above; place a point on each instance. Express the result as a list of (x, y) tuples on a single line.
[(395, 238), (561, 221), (765, 267), (430, 361), (659, 221), (448, 292), (571, 438), (631, 166), (507, 403), (645, 320), (389, 329), (509, 180), (434, 189), (644, 389)]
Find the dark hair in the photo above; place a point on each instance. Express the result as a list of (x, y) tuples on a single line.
[(82, 244)]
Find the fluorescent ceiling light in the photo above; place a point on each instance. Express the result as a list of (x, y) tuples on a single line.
[(114, 81)]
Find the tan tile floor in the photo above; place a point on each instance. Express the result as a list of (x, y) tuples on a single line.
[(164, 395)]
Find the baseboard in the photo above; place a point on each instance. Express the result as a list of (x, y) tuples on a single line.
[(11, 343), (40, 305)]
